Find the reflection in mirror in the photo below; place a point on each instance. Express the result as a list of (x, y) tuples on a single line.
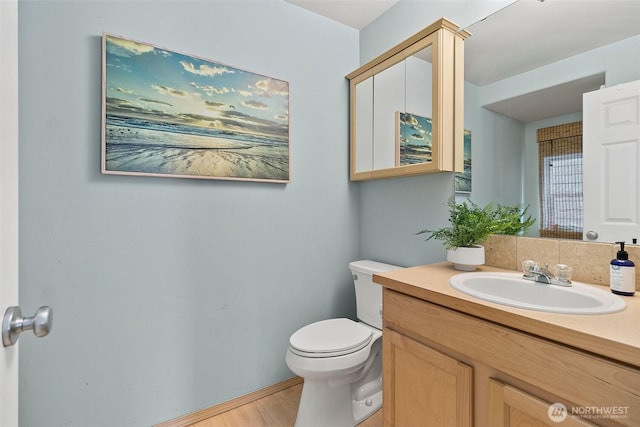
[(529, 76), (394, 115), (405, 106), (364, 126), (414, 122), (389, 97)]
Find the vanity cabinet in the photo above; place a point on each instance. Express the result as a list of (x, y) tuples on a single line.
[(406, 107), (443, 367), (510, 406), (429, 387)]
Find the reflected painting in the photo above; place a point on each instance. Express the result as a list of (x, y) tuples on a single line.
[(170, 114), (463, 180), (413, 139)]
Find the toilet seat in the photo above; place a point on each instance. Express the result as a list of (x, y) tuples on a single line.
[(330, 338)]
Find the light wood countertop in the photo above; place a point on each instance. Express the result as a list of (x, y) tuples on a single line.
[(615, 336)]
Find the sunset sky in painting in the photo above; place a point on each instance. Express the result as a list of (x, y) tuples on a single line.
[(159, 85)]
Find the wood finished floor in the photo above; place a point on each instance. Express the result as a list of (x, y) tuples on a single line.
[(276, 410)]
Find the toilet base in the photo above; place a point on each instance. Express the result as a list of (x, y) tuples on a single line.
[(323, 405), (363, 409)]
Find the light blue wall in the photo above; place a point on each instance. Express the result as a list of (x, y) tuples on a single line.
[(171, 295)]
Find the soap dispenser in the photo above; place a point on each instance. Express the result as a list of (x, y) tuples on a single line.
[(622, 273)]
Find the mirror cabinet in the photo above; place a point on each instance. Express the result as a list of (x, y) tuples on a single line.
[(406, 107)]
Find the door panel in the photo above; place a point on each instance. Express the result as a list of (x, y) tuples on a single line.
[(611, 146), (8, 202)]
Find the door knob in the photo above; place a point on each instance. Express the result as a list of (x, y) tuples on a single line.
[(592, 235), (13, 323)]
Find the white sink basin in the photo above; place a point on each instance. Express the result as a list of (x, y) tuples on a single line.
[(512, 290)]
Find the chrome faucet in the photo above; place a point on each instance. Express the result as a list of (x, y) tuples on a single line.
[(542, 274), (539, 274)]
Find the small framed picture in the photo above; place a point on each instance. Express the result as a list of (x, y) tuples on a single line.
[(413, 139), (463, 180)]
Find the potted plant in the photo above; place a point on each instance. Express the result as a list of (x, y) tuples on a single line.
[(471, 225)]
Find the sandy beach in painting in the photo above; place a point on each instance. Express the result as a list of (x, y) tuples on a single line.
[(141, 147)]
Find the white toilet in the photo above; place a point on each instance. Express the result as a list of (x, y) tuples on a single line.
[(341, 360)]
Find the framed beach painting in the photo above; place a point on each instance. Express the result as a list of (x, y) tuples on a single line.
[(169, 114), (413, 139), (463, 180)]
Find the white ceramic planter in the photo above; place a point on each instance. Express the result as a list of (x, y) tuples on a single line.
[(466, 259)]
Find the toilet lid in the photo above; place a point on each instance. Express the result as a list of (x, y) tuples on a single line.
[(328, 338)]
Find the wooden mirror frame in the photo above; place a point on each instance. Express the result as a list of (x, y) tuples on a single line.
[(447, 42)]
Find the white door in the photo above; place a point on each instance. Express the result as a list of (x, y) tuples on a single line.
[(8, 202), (611, 154)]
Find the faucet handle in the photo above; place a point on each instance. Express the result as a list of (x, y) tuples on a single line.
[(563, 272), (529, 266)]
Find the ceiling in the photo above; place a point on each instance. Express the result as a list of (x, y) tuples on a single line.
[(554, 101), (352, 13), (521, 37)]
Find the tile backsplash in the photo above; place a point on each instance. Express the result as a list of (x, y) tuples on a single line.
[(590, 261)]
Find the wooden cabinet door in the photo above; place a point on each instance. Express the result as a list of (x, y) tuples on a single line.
[(423, 387), (512, 407)]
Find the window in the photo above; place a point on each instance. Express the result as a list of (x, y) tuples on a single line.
[(560, 175)]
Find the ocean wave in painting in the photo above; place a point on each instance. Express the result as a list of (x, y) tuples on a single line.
[(141, 146), (415, 139), (414, 154)]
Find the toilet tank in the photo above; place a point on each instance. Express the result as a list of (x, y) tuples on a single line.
[(368, 293)]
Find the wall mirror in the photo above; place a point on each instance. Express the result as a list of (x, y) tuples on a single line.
[(532, 75), (406, 107)]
